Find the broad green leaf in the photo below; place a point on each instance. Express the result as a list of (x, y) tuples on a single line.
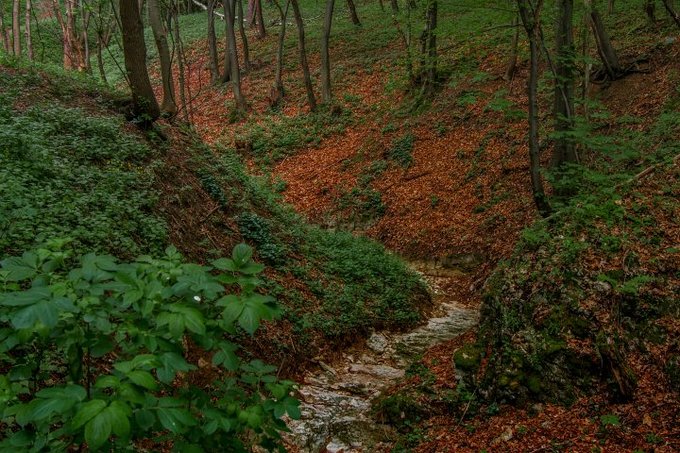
[(119, 414), (98, 430), (241, 254), (86, 412), (143, 379), (225, 264)]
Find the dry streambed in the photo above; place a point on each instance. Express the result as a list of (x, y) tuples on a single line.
[(336, 401)]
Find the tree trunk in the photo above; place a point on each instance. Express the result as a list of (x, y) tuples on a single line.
[(353, 12), (100, 60), (251, 13), (668, 4), (229, 10), (512, 60), (395, 6), (382, 5), (311, 99), (226, 74), (244, 37), (84, 38), (6, 40), (261, 30), (565, 69), (180, 62), (134, 50), (279, 92), (607, 53), (530, 14), (650, 10), (16, 27), (27, 30), (160, 36), (326, 93), (429, 50), (212, 43)]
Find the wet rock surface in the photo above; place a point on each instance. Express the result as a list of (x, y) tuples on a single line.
[(337, 401)]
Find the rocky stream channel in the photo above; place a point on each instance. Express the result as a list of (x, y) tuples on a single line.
[(337, 399)]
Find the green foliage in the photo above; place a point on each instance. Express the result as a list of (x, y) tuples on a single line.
[(401, 149), (65, 173), (97, 352), (258, 230), (278, 136)]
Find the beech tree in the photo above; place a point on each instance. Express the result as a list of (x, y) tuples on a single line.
[(326, 93), (244, 37), (16, 27), (27, 30), (351, 7), (232, 54), (670, 9), (4, 32), (311, 99), (144, 102), (605, 50), (160, 35), (212, 43), (565, 69), (278, 91), (530, 13)]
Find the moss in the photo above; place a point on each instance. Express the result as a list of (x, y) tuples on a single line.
[(468, 357)]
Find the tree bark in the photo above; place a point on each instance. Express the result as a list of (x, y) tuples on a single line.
[(244, 37), (605, 49), (6, 40), (530, 14), (395, 6), (16, 27), (27, 30), (279, 91), (261, 30), (429, 50), (668, 4), (511, 67), (565, 69), (183, 88), (160, 36), (134, 50), (326, 93), (311, 99), (353, 12), (229, 10), (650, 10), (212, 43)]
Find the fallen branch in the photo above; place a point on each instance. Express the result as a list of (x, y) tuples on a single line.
[(205, 8)]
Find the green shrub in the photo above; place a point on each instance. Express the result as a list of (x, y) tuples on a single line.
[(97, 353)]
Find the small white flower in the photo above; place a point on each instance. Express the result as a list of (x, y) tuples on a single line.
[(197, 298)]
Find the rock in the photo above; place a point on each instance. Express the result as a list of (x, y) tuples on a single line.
[(602, 287), (504, 437), (380, 371), (463, 261), (377, 343)]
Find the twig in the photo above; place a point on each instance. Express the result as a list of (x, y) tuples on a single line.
[(212, 211)]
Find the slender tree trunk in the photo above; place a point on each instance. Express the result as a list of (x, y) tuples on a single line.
[(244, 37), (180, 62), (6, 40), (382, 5), (395, 6), (530, 14), (100, 60), (605, 49), (650, 10), (160, 36), (134, 51), (251, 13), (326, 93), (27, 30), (261, 30), (353, 12), (429, 50), (212, 43), (84, 38), (668, 4), (226, 74), (311, 99), (565, 69), (279, 92), (16, 27), (512, 60), (229, 10)]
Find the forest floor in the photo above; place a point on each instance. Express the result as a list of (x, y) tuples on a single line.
[(447, 186)]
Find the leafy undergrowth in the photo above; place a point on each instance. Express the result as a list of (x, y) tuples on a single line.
[(82, 174)]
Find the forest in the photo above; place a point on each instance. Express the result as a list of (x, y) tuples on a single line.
[(340, 226)]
